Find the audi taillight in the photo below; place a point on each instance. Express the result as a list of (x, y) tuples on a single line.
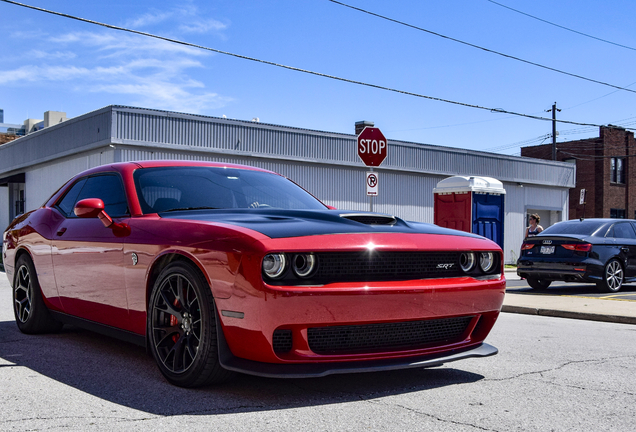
[(580, 247)]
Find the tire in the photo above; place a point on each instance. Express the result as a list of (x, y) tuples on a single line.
[(31, 314), (182, 328), (613, 277), (538, 284)]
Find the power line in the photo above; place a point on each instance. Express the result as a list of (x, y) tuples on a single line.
[(480, 47), (583, 144), (562, 27), (517, 144), (585, 157), (351, 81)]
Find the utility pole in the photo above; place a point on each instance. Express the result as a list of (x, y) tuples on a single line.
[(554, 131)]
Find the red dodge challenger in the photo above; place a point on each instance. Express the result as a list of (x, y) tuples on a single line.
[(220, 268)]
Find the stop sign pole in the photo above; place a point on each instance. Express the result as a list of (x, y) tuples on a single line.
[(372, 149)]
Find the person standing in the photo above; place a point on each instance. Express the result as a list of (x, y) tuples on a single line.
[(534, 227)]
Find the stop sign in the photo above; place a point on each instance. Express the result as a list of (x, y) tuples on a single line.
[(372, 147)]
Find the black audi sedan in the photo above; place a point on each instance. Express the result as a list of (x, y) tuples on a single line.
[(600, 251)]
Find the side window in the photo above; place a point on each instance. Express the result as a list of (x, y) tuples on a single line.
[(624, 230), (109, 189), (68, 202)]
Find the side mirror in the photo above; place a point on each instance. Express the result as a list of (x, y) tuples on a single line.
[(94, 208), (89, 208)]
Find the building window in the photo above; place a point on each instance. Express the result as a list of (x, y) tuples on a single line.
[(19, 204), (618, 170), (617, 213)]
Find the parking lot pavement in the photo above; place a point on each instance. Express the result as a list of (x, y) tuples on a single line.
[(570, 301)]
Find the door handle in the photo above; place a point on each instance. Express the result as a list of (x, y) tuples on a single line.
[(61, 231), (625, 249)]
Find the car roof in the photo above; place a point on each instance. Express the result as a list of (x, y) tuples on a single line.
[(600, 220), (182, 163)]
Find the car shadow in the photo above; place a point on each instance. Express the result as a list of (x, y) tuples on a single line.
[(124, 374)]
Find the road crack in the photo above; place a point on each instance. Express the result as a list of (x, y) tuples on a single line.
[(425, 414)]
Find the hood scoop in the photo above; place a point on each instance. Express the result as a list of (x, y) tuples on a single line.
[(370, 219)]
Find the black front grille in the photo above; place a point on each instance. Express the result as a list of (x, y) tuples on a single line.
[(387, 337), (385, 266), (282, 341)]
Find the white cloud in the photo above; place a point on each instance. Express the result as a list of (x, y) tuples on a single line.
[(119, 43), (24, 73), (62, 55), (143, 71), (148, 19), (58, 73), (186, 18), (202, 26), (165, 95)]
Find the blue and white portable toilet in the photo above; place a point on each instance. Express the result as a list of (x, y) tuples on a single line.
[(471, 204)]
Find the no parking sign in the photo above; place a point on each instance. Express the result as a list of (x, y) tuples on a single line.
[(372, 183)]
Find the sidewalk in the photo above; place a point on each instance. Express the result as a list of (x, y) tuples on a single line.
[(587, 308)]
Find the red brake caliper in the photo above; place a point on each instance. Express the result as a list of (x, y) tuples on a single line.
[(174, 321)]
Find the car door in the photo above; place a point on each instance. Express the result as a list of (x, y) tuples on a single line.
[(88, 257), (626, 240)]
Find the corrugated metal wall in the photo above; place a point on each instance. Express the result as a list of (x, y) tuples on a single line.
[(71, 136), (144, 127)]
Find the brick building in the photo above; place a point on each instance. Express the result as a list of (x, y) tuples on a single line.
[(605, 168)]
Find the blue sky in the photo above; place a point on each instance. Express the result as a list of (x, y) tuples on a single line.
[(54, 63)]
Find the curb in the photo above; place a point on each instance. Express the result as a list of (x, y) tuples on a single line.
[(568, 314)]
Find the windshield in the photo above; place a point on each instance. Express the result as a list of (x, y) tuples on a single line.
[(585, 227), (186, 188)]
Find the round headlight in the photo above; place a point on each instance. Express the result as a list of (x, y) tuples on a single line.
[(274, 265), (486, 261), (304, 264), (467, 261)]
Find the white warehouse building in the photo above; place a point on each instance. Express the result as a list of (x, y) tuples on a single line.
[(325, 163)]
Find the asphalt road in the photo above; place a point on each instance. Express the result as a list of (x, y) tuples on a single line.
[(627, 292), (551, 374)]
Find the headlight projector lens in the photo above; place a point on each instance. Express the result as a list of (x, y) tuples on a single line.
[(274, 265)]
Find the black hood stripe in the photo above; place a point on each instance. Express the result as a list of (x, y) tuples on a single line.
[(276, 223)]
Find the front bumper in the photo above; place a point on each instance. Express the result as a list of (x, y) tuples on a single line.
[(314, 370), (249, 322)]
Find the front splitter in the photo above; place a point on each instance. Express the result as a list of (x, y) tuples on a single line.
[(314, 370)]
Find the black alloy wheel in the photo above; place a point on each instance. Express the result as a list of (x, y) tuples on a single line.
[(182, 328), (538, 284), (31, 314), (613, 277)]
